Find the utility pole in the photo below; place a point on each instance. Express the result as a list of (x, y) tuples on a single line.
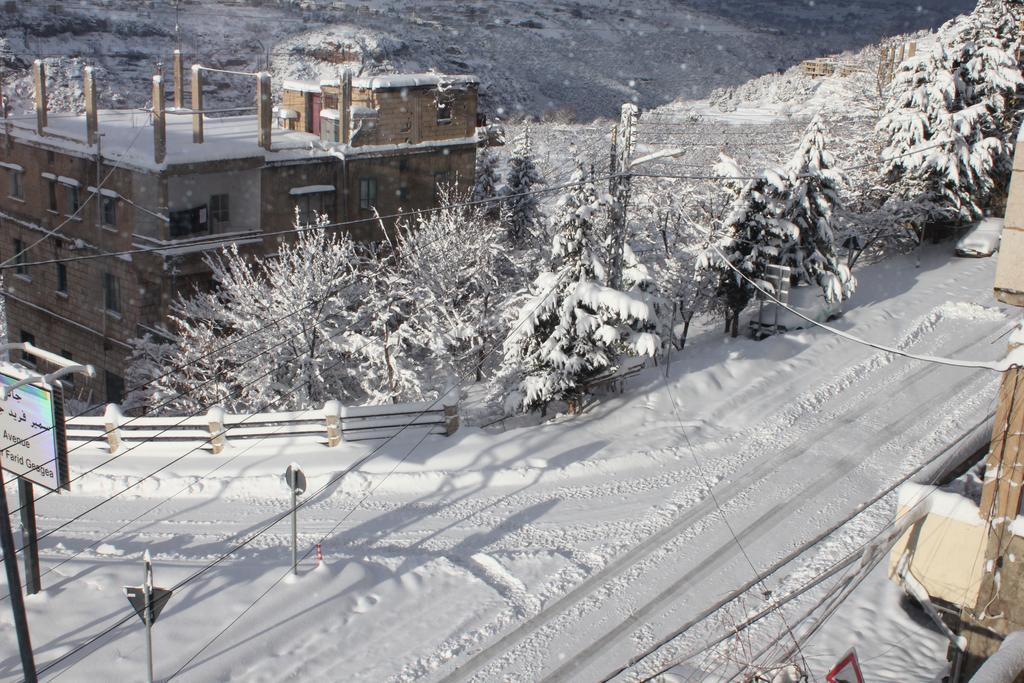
[(620, 184), (28, 664)]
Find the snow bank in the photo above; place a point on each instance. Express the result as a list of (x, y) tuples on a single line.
[(940, 502)]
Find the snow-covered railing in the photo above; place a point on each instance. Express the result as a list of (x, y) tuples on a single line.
[(330, 425)]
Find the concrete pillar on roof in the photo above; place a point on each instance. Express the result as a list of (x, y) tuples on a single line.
[(264, 109), (159, 120), (91, 117), (39, 77), (197, 104), (179, 99)]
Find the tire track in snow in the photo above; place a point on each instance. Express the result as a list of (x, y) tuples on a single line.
[(728, 491)]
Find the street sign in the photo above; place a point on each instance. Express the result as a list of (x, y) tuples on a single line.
[(34, 443), (137, 598), (295, 478), (847, 670)]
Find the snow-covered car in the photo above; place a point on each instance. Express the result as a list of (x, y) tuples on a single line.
[(982, 239), (809, 301)]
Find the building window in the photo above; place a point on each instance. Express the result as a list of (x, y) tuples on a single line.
[(19, 258), (62, 278), (367, 193), (111, 293), (115, 387), (403, 164), (72, 195), (110, 211), (188, 222), (51, 194), (311, 205), (442, 182), (220, 214), (444, 113), (25, 357), (403, 193), (17, 188)]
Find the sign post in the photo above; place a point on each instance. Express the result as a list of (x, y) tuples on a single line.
[(148, 601), (297, 483), (29, 538), (28, 664)]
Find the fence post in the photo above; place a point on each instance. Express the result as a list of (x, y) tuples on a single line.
[(112, 418), (332, 419), (451, 419), (215, 418)]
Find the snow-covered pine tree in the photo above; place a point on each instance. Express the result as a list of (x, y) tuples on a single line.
[(520, 209), (946, 124), (488, 177), (811, 195), (573, 326), (754, 235)]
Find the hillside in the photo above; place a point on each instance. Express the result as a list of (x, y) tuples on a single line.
[(534, 57)]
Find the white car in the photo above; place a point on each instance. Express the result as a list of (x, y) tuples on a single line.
[(807, 300), (981, 240)]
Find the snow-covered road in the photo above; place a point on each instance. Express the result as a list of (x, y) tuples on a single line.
[(551, 552)]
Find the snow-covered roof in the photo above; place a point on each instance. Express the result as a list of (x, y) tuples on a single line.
[(128, 141), (64, 180), (332, 114), (128, 138), (310, 189), (360, 110), (393, 81), (301, 86), (12, 167), (285, 113)]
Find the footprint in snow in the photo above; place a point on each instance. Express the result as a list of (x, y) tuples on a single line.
[(365, 603)]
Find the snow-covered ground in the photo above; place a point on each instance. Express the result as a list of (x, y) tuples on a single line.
[(546, 552)]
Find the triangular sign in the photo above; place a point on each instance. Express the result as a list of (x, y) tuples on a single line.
[(847, 670), (137, 598)]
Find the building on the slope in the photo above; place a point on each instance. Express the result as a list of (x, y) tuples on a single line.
[(106, 216), (967, 550)]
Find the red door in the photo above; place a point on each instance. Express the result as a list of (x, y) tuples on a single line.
[(315, 105)]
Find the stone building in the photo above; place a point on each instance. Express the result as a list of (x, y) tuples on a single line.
[(107, 216)]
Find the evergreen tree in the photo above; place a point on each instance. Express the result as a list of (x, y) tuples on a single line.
[(754, 236), (573, 326), (488, 177), (948, 122), (521, 209), (812, 194)]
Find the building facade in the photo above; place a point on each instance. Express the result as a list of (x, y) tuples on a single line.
[(107, 217)]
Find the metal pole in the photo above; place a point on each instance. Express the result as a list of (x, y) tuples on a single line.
[(147, 614), (28, 664), (29, 539), (295, 533)]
